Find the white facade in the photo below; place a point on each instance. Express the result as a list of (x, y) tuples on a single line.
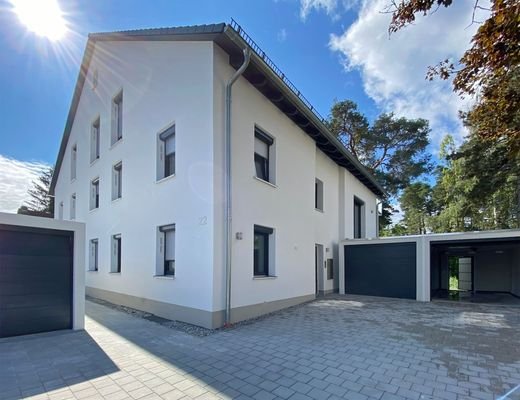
[(166, 83)]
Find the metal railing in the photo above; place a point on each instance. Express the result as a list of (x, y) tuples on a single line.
[(260, 53)]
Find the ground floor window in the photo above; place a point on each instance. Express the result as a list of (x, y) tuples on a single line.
[(261, 251), (166, 264), (116, 253)]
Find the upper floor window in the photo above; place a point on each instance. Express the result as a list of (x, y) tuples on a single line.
[(359, 218), (117, 118), (262, 251), (117, 181), (94, 141), (263, 144), (73, 161), (73, 206), (60, 210), (94, 194), (318, 194), (166, 153)]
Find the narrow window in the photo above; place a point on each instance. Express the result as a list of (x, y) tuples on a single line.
[(73, 162), (261, 250), (117, 181), (94, 141), (358, 218), (166, 150), (167, 250), (318, 194), (94, 194), (116, 253), (117, 118), (73, 206), (60, 210), (94, 251), (330, 268), (263, 144)]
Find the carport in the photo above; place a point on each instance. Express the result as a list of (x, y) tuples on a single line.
[(469, 266), (484, 269)]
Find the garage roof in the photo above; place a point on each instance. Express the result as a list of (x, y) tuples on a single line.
[(261, 72)]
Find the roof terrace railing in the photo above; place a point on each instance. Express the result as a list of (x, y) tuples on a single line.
[(260, 53)]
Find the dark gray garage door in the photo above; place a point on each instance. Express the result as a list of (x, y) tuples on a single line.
[(386, 269), (35, 280)]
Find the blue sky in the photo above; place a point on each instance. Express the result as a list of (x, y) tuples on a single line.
[(330, 49)]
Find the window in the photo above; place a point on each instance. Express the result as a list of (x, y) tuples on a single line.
[(94, 194), (330, 268), (318, 194), (93, 255), (261, 252), (166, 264), (359, 209), (166, 153), (116, 254), (60, 210), (94, 141), (263, 143), (73, 206), (117, 181), (73, 162), (117, 118)]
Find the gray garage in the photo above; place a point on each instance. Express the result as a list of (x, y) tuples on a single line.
[(468, 266), (381, 269), (39, 287)]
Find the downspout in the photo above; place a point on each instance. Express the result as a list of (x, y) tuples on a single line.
[(227, 179)]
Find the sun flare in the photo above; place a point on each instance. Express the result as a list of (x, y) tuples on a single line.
[(43, 17)]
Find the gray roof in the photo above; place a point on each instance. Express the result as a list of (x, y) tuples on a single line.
[(261, 73)]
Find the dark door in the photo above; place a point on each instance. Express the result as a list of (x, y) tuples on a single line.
[(387, 270), (35, 280)]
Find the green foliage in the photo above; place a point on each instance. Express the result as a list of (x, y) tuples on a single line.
[(393, 149), (416, 204), (40, 203)]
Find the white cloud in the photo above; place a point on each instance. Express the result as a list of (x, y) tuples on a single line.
[(282, 35), (333, 8), (16, 178), (393, 68)]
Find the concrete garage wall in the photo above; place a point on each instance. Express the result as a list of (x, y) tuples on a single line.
[(492, 271), (78, 283)]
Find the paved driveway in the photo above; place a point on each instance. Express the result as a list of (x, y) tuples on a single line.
[(338, 347)]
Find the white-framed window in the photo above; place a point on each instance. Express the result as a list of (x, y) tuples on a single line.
[(73, 161), (73, 206), (115, 265), (93, 264), (166, 153), (117, 118), (166, 250), (359, 218), (264, 156), (94, 194), (117, 181), (94, 140), (60, 210), (318, 194), (263, 251)]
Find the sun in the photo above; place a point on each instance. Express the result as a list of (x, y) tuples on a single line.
[(43, 17)]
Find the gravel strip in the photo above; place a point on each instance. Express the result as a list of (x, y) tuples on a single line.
[(190, 329)]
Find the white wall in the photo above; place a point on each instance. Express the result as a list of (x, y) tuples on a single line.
[(287, 207), (78, 284), (162, 82)]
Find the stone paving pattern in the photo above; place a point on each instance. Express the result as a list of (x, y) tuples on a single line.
[(338, 347)]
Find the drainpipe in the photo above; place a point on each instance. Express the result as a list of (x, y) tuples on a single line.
[(227, 179)]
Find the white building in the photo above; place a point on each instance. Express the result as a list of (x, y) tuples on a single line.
[(143, 163)]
